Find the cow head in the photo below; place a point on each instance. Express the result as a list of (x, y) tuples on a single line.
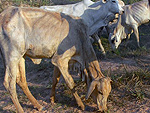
[(99, 90), (120, 33), (114, 40), (114, 6)]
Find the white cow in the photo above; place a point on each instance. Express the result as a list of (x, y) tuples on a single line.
[(104, 13), (110, 27), (134, 15)]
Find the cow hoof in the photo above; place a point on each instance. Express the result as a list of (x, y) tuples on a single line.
[(52, 100), (102, 110), (41, 108), (104, 53), (82, 107)]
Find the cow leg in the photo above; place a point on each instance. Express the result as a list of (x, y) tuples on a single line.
[(11, 67), (56, 77), (129, 34), (62, 64), (100, 44), (136, 32), (21, 81)]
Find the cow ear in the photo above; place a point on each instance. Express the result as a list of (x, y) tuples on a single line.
[(91, 88), (104, 1)]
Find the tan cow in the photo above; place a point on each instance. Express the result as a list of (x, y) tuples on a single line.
[(134, 15), (41, 34)]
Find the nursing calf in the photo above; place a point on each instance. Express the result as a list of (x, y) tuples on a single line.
[(41, 34)]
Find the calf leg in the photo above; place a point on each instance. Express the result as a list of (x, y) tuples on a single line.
[(56, 77), (21, 81), (62, 64)]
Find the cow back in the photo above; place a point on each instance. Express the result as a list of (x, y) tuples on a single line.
[(40, 31), (137, 13)]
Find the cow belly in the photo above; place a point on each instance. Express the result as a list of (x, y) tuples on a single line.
[(40, 51)]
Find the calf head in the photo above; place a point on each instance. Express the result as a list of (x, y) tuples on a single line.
[(99, 90)]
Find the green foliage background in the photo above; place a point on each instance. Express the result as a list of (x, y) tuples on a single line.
[(37, 3), (48, 2)]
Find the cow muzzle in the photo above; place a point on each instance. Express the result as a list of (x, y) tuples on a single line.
[(121, 10), (101, 103)]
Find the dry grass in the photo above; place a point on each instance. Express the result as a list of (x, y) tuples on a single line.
[(33, 3), (130, 87)]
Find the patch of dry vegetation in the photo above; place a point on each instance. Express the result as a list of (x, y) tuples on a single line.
[(33, 3), (130, 87)]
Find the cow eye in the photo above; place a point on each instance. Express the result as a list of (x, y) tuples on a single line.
[(113, 40), (114, 1), (100, 92)]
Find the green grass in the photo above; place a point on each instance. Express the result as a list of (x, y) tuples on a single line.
[(132, 83), (127, 48), (38, 3), (1, 109)]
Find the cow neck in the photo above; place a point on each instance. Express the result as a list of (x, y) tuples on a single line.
[(91, 62), (94, 70), (88, 2), (95, 14)]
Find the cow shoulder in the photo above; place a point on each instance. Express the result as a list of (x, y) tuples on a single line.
[(8, 17)]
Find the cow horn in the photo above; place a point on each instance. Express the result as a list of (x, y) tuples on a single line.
[(91, 88)]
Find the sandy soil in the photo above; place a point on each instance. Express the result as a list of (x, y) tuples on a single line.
[(39, 79), (39, 83)]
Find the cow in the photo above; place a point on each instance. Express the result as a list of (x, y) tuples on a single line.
[(113, 20), (134, 15), (38, 34), (113, 24), (107, 9)]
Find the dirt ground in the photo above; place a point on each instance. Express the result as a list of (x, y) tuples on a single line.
[(39, 79)]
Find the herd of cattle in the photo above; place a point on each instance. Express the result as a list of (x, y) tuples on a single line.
[(62, 33)]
